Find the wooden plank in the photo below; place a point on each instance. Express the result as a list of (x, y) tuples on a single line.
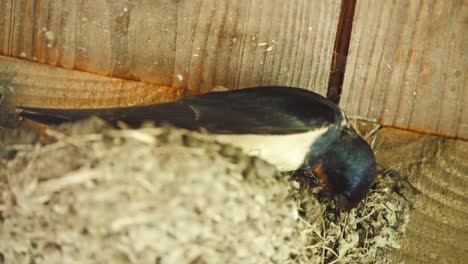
[(408, 65), (34, 84), (437, 167), (194, 45)]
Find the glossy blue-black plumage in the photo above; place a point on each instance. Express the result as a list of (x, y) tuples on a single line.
[(344, 157), (347, 161)]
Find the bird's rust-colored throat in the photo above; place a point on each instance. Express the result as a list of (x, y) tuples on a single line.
[(319, 170)]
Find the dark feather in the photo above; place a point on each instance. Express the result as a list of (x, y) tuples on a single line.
[(259, 110)]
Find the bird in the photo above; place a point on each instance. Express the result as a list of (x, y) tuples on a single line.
[(291, 128)]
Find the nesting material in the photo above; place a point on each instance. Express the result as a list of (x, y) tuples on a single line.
[(163, 195)]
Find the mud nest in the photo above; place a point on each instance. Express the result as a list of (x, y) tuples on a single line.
[(86, 193)]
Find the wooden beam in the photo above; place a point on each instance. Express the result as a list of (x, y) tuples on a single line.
[(437, 167), (40, 85), (340, 51)]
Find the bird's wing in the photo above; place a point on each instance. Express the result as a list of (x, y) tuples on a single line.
[(261, 110)]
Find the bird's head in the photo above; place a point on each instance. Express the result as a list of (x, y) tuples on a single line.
[(346, 164)]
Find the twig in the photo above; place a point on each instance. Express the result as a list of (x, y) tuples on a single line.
[(366, 216), (344, 226), (371, 120), (325, 248), (376, 128), (74, 141), (73, 178)]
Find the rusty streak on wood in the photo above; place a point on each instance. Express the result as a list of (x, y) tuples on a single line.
[(407, 65), (193, 45), (340, 51)]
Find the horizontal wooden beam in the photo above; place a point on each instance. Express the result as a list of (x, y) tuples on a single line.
[(41, 85), (437, 168)]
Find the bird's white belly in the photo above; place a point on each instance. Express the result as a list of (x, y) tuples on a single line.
[(286, 152)]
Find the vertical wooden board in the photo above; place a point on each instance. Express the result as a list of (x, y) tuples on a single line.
[(5, 25), (22, 43), (455, 93), (120, 11), (93, 46), (198, 35), (52, 25), (195, 45), (65, 49), (290, 43), (152, 36), (407, 65), (250, 43)]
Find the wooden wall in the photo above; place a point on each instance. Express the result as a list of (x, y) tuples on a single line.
[(195, 44), (407, 62), (408, 65)]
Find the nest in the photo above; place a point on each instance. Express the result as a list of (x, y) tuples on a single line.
[(92, 194)]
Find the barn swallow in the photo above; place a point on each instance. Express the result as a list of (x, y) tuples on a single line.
[(290, 128)]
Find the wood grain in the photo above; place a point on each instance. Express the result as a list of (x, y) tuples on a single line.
[(189, 44), (34, 84), (408, 65), (437, 167)]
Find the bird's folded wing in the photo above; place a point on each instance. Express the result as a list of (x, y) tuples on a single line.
[(248, 111)]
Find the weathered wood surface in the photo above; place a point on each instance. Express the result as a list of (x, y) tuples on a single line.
[(408, 65), (192, 44), (34, 84), (438, 168)]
